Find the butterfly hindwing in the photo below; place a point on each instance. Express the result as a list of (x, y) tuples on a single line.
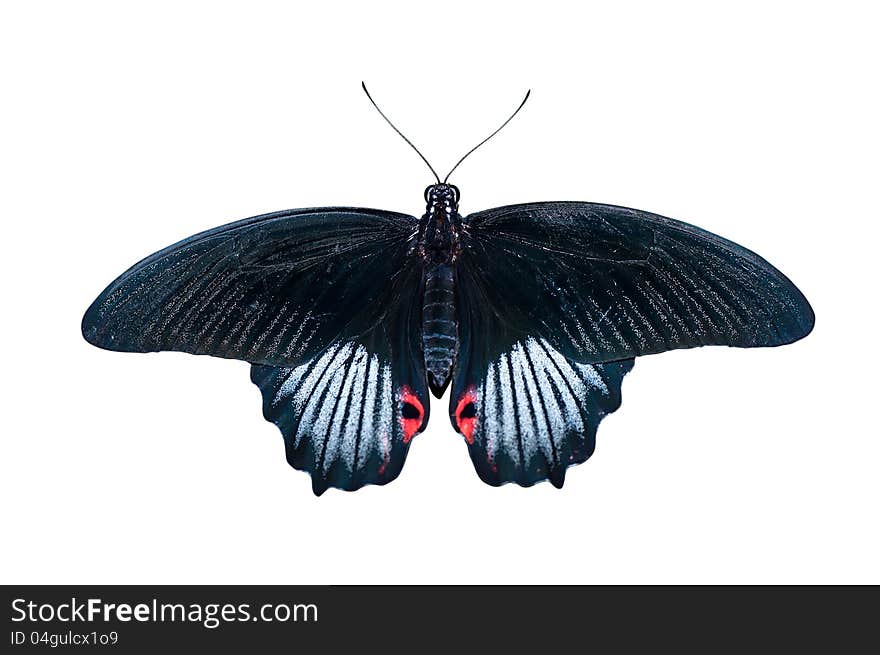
[(348, 414), (346, 417), (526, 411), (603, 283), (530, 413)]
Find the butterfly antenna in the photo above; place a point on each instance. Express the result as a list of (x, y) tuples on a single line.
[(488, 137), (387, 120)]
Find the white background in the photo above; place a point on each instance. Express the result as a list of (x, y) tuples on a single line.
[(126, 128)]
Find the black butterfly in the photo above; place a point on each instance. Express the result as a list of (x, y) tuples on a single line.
[(534, 313)]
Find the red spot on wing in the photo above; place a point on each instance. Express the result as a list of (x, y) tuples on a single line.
[(466, 415), (412, 413)]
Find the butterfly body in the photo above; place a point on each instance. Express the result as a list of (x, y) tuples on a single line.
[(439, 326), (438, 243)]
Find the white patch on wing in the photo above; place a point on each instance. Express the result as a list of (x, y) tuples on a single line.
[(531, 398), (554, 412), (591, 377), (384, 426), (507, 416), (337, 424), (527, 417), (346, 406), (349, 437), (315, 395), (321, 429), (486, 396), (368, 436), (292, 383), (571, 389), (536, 405)]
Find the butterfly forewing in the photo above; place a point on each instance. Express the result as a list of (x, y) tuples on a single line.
[(274, 289), (602, 283)]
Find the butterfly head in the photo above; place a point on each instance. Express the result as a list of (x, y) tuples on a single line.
[(443, 197)]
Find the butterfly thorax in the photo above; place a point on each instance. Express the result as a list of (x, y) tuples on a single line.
[(440, 226), (439, 232)]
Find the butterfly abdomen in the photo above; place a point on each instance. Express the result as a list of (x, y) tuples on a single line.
[(439, 326)]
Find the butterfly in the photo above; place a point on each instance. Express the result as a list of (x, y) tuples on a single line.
[(531, 313)]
